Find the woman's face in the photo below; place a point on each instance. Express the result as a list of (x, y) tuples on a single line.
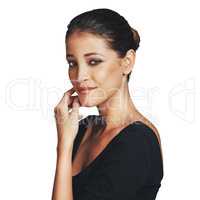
[(93, 64)]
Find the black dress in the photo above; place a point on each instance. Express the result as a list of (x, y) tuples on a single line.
[(129, 168)]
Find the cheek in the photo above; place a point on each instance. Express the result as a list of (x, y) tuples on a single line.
[(72, 76), (109, 78)]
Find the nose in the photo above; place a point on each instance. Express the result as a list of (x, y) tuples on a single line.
[(82, 74)]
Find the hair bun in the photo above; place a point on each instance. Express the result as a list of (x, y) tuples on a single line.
[(136, 37)]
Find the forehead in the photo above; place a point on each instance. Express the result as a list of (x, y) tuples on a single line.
[(80, 42)]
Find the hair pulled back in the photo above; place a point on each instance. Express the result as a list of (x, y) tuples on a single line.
[(110, 25)]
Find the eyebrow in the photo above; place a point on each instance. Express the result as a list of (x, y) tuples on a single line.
[(87, 54)]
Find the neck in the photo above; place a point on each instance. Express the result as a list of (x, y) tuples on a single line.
[(119, 109)]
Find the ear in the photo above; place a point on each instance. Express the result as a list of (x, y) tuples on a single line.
[(128, 61)]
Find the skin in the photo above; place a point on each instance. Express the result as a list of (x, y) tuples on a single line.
[(103, 70), (112, 96)]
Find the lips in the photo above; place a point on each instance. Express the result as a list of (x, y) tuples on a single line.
[(86, 89)]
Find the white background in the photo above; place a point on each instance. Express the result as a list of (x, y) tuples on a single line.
[(33, 77)]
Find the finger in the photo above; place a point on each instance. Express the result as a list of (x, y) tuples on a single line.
[(63, 104), (66, 97), (75, 109), (75, 105), (70, 91), (70, 104)]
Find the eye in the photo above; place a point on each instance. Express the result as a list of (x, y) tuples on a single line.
[(95, 62), (91, 62), (71, 64)]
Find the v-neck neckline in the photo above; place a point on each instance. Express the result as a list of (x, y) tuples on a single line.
[(106, 148)]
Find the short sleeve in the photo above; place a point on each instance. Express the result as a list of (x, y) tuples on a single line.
[(123, 171)]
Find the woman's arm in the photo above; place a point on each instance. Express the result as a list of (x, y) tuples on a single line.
[(62, 189), (67, 127)]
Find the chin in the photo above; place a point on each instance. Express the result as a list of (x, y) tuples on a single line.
[(89, 102)]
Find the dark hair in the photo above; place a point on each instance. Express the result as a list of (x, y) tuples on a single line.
[(113, 27)]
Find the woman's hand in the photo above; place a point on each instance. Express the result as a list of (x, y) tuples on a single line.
[(67, 122)]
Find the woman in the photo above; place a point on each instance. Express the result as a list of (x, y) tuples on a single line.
[(115, 155)]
